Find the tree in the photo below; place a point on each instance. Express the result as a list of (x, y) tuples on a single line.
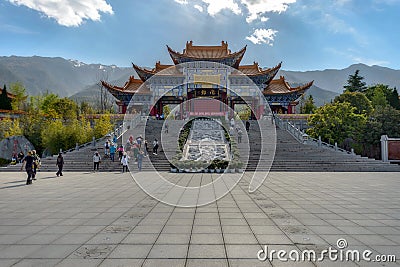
[(379, 98), (336, 122), (9, 127), (5, 101), (102, 126), (104, 100), (355, 83), (356, 99), (384, 121), (19, 92), (309, 106)]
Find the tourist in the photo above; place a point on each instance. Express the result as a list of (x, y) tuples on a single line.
[(28, 162), (247, 126), (135, 151), (20, 157), (115, 139), (166, 127), (157, 116), (106, 148), (60, 164), (231, 131), (239, 135), (155, 146), (36, 163), (139, 141), (120, 152), (233, 123), (96, 161), (140, 160), (124, 162), (113, 149)]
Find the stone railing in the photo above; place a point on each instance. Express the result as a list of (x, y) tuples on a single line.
[(304, 138)]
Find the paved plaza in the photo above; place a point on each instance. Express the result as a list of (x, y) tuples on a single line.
[(105, 219)]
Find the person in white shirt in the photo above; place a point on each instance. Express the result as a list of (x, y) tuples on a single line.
[(125, 161), (96, 161)]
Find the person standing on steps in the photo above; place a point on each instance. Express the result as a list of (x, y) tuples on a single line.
[(96, 161), (115, 139), (28, 162), (166, 127), (247, 126), (113, 149), (60, 164), (239, 135), (140, 160), (124, 162), (155, 146), (120, 152)]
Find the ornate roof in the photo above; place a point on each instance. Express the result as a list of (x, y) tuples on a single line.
[(162, 69), (219, 54), (8, 94), (281, 86), (131, 87), (255, 69)]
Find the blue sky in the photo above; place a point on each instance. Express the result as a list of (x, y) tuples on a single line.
[(304, 34)]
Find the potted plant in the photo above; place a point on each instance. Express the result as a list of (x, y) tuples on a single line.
[(240, 167)]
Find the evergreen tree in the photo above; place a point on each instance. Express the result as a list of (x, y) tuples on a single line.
[(355, 83), (5, 101), (394, 99), (309, 106), (358, 100)]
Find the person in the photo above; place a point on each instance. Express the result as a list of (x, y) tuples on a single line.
[(140, 160), (120, 152), (96, 161), (233, 122), (247, 125), (155, 146), (20, 157), (28, 162), (157, 116), (146, 148), (36, 163), (13, 159), (115, 139), (125, 161), (166, 127), (139, 141), (135, 151), (113, 149), (239, 135), (106, 148), (231, 131), (60, 164)]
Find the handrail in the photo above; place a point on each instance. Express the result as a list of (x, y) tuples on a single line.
[(304, 138)]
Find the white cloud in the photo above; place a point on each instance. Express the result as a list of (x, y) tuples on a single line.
[(262, 36), (199, 8), (257, 8), (68, 12), (182, 2), (216, 6)]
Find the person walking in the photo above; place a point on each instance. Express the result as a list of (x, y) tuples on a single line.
[(239, 135), (155, 146), (247, 126), (96, 161), (36, 163), (120, 152), (140, 160), (139, 141), (113, 149), (60, 164), (166, 127), (106, 148), (124, 162), (28, 162)]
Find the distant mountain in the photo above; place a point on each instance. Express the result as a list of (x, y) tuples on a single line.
[(78, 80), (57, 75), (334, 80)]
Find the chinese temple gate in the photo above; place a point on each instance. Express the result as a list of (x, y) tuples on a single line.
[(210, 88)]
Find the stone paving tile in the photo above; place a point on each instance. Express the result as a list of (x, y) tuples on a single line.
[(92, 219), (36, 262)]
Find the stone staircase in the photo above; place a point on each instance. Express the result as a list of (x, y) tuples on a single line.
[(290, 155)]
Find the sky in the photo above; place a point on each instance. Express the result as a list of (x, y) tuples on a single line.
[(303, 34)]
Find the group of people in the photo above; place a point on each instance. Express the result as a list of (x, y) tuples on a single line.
[(32, 163), (135, 148)]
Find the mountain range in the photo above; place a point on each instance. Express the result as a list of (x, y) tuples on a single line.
[(78, 80)]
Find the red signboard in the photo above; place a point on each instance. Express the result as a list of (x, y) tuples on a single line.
[(394, 150)]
